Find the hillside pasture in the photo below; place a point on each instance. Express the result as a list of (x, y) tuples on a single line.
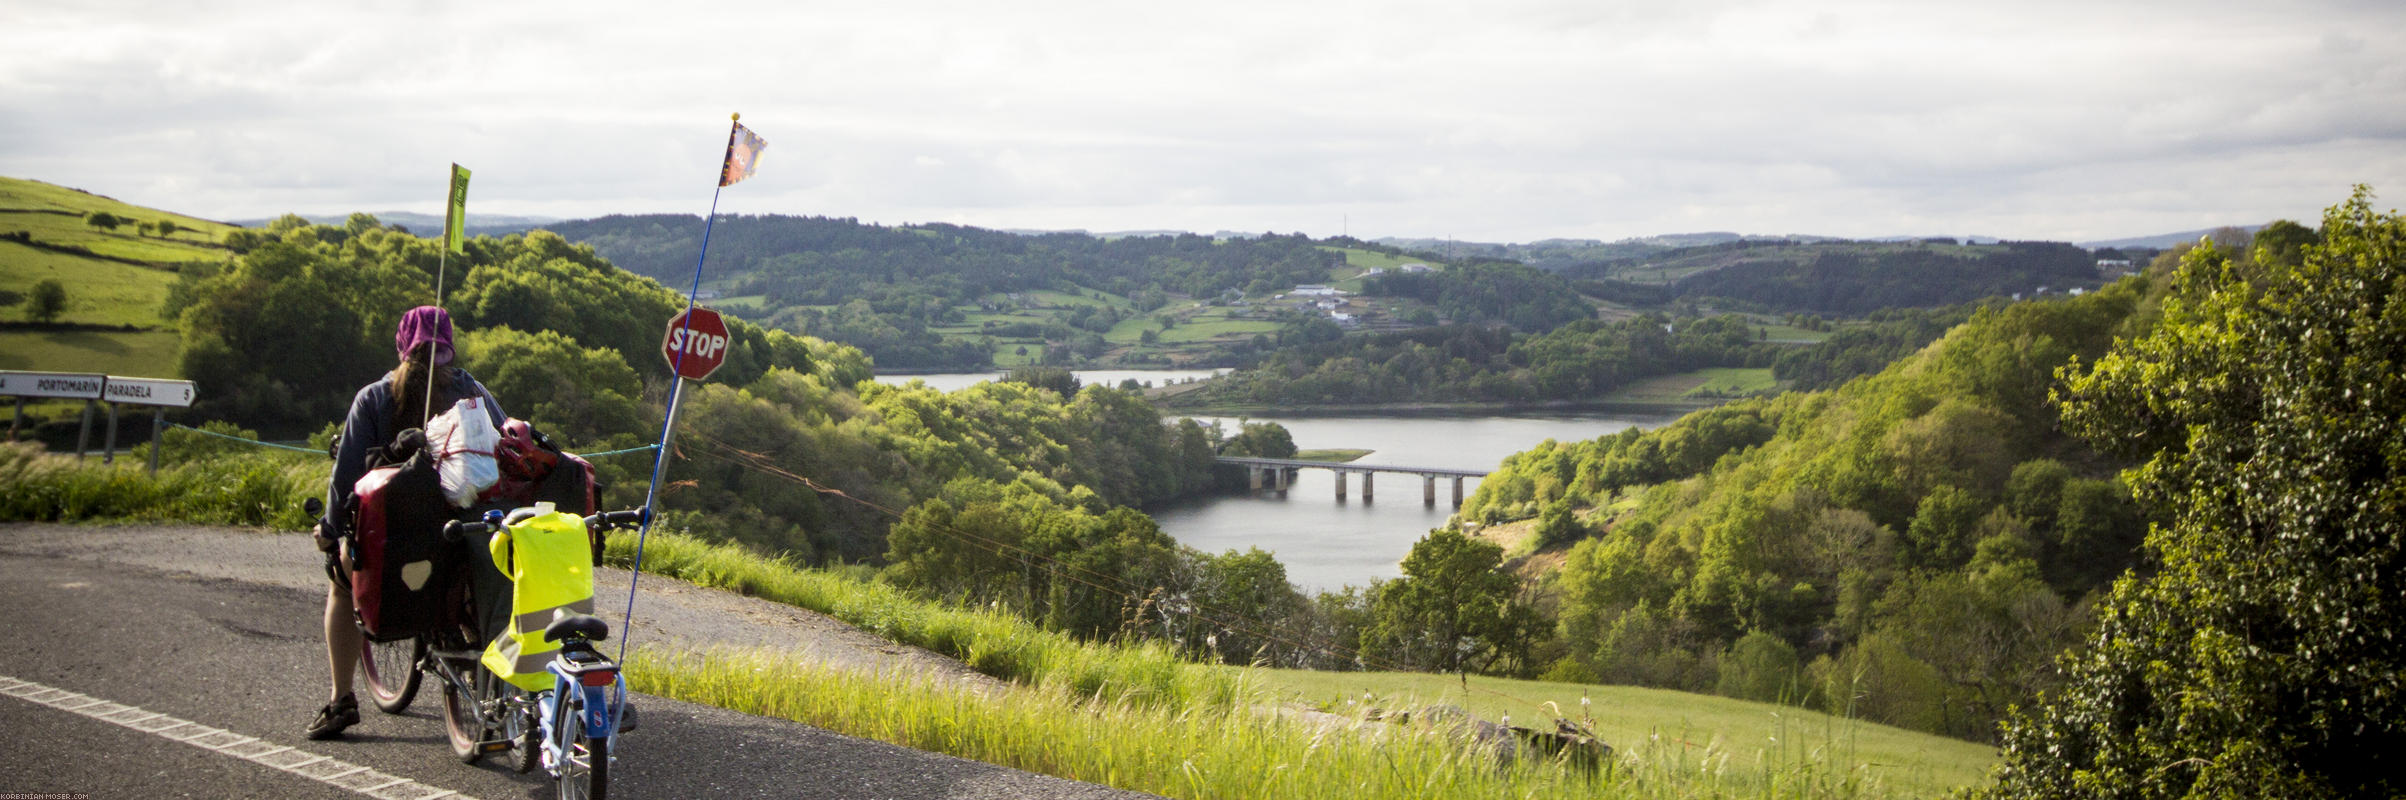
[(150, 354), (99, 292), (1676, 728), (1731, 382)]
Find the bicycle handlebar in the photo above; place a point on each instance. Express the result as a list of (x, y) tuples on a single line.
[(630, 518), (457, 530)]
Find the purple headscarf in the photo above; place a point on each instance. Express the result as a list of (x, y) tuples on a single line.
[(421, 325)]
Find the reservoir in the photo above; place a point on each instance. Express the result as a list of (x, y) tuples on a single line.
[(1327, 544)]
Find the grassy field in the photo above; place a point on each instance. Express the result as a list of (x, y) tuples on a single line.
[(1332, 454), (1216, 324), (55, 215), (1732, 382), (1683, 725), (1705, 384), (1364, 259), (1791, 333), (1006, 353), (137, 353), (98, 292)]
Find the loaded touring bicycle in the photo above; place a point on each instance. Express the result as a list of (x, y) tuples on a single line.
[(495, 601)]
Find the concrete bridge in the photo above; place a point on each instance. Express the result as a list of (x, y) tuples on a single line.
[(1279, 472)]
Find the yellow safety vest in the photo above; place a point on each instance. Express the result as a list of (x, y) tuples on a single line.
[(553, 578)]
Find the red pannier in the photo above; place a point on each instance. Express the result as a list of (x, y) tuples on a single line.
[(401, 568)]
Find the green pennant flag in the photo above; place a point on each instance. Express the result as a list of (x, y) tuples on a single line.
[(455, 226)]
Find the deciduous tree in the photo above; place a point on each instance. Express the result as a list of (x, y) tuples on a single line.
[(47, 300), (2262, 656)]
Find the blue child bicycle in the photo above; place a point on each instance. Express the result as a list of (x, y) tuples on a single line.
[(557, 708)]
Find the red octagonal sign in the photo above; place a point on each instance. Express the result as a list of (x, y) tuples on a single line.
[(696, 344)]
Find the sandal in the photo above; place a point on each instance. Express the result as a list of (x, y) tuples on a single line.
[(332, 719)]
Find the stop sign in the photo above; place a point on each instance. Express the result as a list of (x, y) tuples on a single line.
[(696, 343)]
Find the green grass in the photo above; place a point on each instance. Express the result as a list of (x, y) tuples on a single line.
[(1132, 330), (55, 215), (1228, 751), (1206, 329), (98, 292), (253, 487), (1331, 454), (1700, 385), (745, 304), (1006, 354), (150, 354), (1791, 333), (989, 641), (1921, 764), (1732, 382), (1060, 300), (1364, 259)]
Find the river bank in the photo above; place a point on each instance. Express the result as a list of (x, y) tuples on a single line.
[(1672, 408)]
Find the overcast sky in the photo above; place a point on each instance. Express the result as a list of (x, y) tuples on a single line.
[(1487, 120)]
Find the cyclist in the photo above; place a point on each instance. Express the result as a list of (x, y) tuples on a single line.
[(384, 424)]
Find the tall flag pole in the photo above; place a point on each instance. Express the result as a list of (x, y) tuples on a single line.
[(743, 156), (455, 240)]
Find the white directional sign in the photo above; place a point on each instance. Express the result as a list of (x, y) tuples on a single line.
[(68, 385), (148, 391)]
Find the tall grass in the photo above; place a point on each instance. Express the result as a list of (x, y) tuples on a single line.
[(993, 642), (1228, 751), (257, 488)]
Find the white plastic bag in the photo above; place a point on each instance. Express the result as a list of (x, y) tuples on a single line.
[(462, 441)]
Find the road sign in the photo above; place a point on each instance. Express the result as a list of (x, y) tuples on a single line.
[(702, 341), (68, 385), (148, 391)]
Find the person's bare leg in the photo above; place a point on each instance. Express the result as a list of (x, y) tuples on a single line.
[(342, 640)]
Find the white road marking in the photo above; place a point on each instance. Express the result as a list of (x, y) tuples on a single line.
[(323, 769)]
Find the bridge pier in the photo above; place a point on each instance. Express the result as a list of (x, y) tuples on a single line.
[(1280, 475)]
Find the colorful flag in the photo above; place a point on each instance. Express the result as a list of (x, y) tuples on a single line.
[(743, 154), (455, 225)]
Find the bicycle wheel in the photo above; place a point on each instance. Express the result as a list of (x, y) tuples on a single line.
[(518, 725), (462, 723), (392, 671), (584, 772)]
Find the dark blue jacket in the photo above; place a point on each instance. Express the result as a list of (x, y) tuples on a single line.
[(369, 426)]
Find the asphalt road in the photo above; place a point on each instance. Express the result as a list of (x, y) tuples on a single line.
[(247, 658)]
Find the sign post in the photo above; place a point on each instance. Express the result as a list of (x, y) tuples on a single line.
[(54, 385), (160, 393)]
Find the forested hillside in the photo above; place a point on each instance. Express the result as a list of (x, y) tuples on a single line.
[(1464, 364), (1913, 547), (283, 335), (1844, 278), (801, 273)]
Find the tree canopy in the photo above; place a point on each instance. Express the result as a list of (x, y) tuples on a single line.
[(2260, 653)]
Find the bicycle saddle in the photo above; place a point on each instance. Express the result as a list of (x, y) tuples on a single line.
[(584, 626)]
